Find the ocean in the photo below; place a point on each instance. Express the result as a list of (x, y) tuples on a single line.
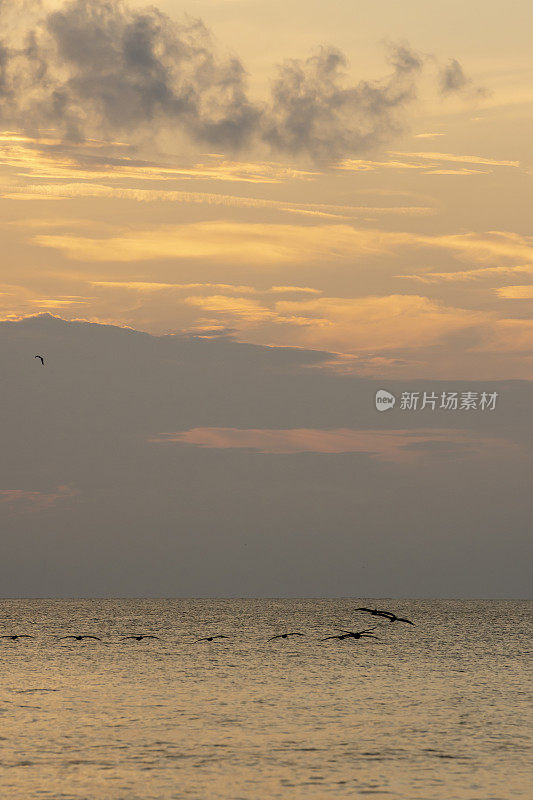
[(436, 711)]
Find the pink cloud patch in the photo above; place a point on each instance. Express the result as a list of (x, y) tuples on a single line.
[(387, 445), (24, 501)]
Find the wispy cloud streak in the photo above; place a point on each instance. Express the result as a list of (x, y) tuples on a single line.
[(385, 445)]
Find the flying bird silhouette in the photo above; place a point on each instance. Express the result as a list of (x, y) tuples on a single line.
[(212, 638), (359, 634), (15, 636), (285, 636), (374, 611), (79, 637), (141, 636), (386, 614), (394, 618), (353, 635), (42, 359)]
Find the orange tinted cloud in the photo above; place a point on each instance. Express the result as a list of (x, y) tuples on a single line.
[(52, 158), (267, 243), (516, 292), (460, 159), (59, 191), (371, 323), (470, 274), (386, 445), (246, 243)]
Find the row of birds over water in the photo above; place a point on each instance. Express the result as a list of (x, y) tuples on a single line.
[(139, 637)]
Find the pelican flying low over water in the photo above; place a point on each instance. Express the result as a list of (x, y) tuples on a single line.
[(386, 614), (353, 635)]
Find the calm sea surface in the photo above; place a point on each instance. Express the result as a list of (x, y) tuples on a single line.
[(433, 712)]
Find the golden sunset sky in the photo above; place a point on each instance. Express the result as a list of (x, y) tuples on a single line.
[(345, 176)]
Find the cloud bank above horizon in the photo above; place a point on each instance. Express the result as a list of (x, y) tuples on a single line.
[(267, 457)]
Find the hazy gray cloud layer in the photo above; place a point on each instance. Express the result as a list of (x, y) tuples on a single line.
[(176, 466), (97, 67)]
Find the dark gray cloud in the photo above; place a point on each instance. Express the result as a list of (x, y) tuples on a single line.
[(313, 111), (101, 68), (453, 80), (97, 66)]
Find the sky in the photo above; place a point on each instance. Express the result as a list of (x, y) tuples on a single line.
[(341, 189)]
